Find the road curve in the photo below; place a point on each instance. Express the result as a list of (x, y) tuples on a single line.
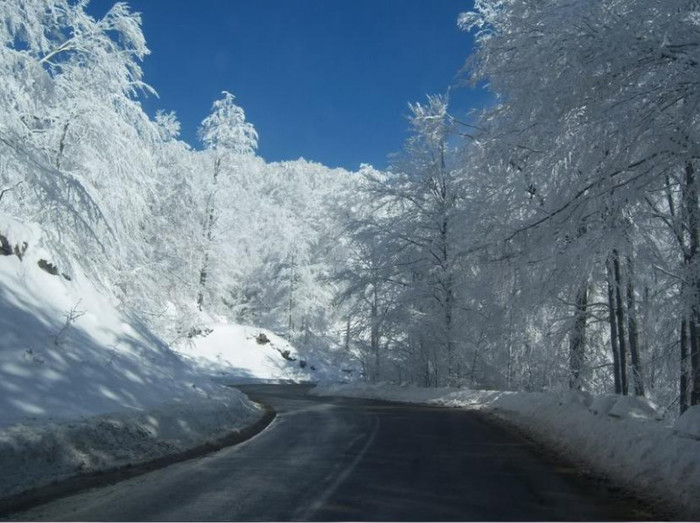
[(332, 459)]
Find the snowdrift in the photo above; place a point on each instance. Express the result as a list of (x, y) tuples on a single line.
[(621, 437)]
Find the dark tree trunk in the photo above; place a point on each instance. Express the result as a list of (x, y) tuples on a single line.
[(445, 262), (614, 341), (374, 331), (690, 200), (685, 368), (449, 299), (577, 338), (62, 145), (637, 374), (203, 273), (686, 373), (202, 280), (620, 315), (347, 334), (292, 277)]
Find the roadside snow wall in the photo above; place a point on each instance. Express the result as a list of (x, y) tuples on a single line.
[(36, 455)]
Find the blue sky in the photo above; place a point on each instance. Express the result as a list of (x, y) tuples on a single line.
[(328, 80)]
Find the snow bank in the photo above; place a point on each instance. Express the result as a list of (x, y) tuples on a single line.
[(688, 424), (34, 455), (242, 354), (83, 386), (634, 407), (602, 404), (632, 447)]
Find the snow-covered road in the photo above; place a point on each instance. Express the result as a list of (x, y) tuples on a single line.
[(350, 459)]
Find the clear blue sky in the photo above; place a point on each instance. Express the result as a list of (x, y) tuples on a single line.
[(328, 80)]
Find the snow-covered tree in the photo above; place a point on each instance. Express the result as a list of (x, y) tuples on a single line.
[(229, 139), (595, 125)]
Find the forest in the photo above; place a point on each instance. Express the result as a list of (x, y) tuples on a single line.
[(549, 241)]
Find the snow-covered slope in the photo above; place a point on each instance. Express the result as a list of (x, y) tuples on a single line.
[(239, 354), (66, 351), (84, 386)]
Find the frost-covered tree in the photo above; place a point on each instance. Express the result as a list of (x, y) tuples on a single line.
[(595, 125), (404, 269), (73, 130), (426, 190), (370, 282), (229, 139)]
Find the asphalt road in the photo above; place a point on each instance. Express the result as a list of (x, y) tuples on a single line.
[(339, 459)]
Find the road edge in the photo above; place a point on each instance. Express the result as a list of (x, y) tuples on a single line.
[(82, 482), (651, 506)]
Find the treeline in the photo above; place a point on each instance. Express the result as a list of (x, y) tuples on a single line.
[(551, 240), (176, 234)]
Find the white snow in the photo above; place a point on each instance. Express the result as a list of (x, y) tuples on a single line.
[(688, 424), (634, 407), (603, 403), (95, 390), (232, 353), (646, 455), (36, 454), (103, 361), (576, 396)]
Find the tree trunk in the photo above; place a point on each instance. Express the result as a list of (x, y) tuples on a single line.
[(577, 338), (208, 236), (449, 299), (685, 368), (633, 331), (202, 280), (347, 333), (374, 332), (204, 271), (291, 296), (448, 334), (620, 315), (690, 200), (614, 341), (62, 145)]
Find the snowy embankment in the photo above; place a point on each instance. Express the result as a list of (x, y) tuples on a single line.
[(621, 437), (85, 387), (243, 354)]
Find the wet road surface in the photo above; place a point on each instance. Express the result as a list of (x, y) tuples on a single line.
[(333, 459)]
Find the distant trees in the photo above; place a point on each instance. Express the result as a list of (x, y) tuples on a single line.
[(370, 276), (404, 271), (168, 230)]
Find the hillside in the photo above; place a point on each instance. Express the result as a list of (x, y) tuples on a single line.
[(87, 387)]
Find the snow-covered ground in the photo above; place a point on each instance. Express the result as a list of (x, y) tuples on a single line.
[(620, 437), (83, 386), (240, 354)]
